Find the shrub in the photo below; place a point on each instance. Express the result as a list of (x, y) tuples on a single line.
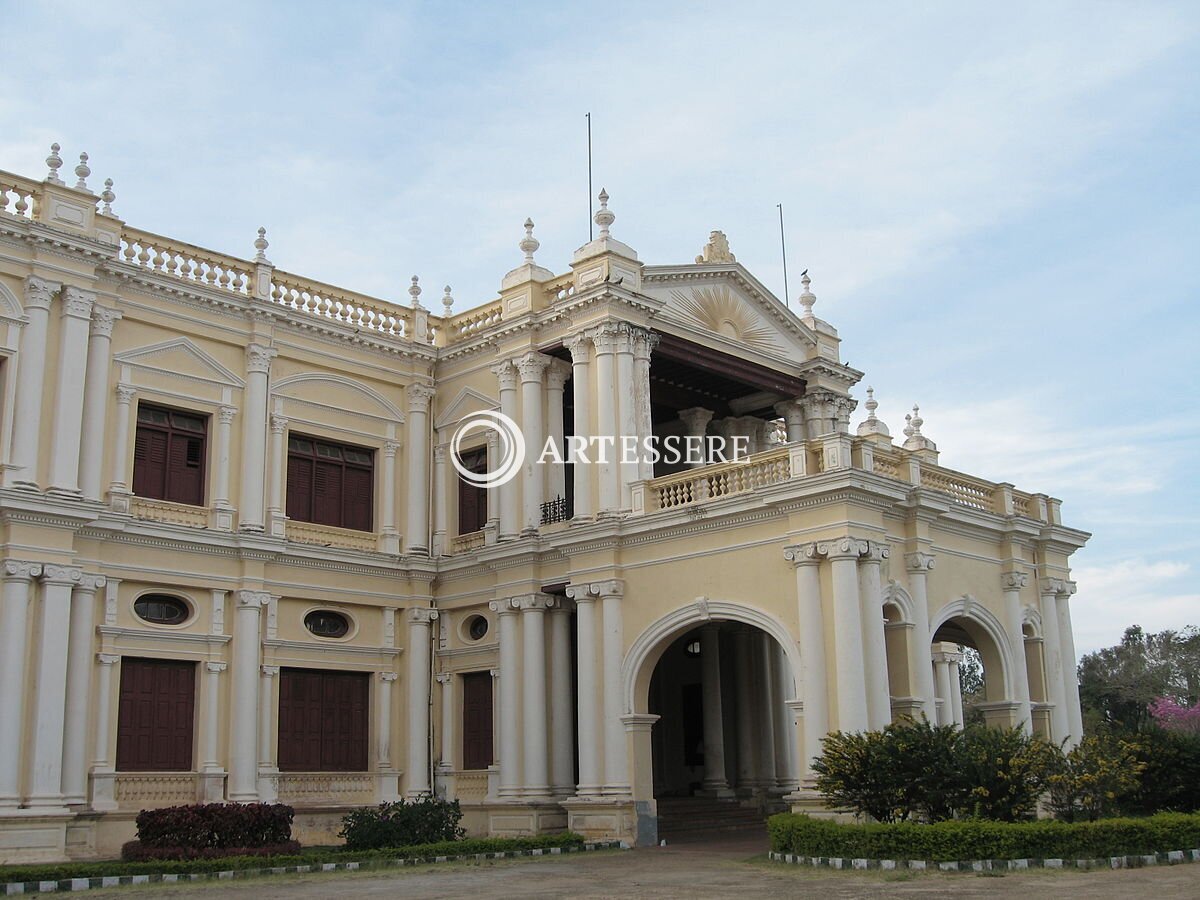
[(136, 851), (221, 825), (942, 841), (1094, 779), (1170, 778), (425, 820), (1002, 772)]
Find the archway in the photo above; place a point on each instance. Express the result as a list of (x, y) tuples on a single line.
[(966, 624)]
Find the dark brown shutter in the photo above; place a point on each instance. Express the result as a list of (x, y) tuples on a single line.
[(185, 470), (468, 507), (327, 493), (477, 720), (155, 715), (150, 463), (358, 500), (323, 721), (299, 488)]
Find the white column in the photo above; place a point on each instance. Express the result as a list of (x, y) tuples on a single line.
[(102, 767), (389, 535), (870, 588), (626, 412), (919, 564), (536, 783), (118, 488), (785, 722), (956, 690), (268, 789), (209, 759), (31, 370), (254, 437), (14, 618), (95, 402), (941, 663), (417, 535), (221, 500), (587, 672), (581, 385), (383, 720), (793, 417), (277, 467), (510, 512), (616, 768), (562, 737), (74, 324), (441, 499), (748, 776), (79, 688), (532, 367), (50, 686), (449, 732), (1012, 583), (765, 700), (715, 780), (1069, 664), (419, 673), (644, 343), (605, 339), (243, 738), (508, 715), (807, 559), (696, 420), (1060, 719), (843, 555)]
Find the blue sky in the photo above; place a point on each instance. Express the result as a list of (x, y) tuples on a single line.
[(998, 203)]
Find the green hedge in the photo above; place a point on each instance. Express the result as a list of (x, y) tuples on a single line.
[(311, 857), (976, 839)]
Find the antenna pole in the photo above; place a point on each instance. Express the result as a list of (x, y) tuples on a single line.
[(783, 247), (591, 225)]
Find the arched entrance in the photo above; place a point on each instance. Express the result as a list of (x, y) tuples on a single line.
[(965, 624)]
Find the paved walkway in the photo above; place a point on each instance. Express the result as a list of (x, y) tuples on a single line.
[(729, 866)]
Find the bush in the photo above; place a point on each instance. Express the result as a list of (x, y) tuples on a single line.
[(221, 825), (402, 824), (136, 851), (1170, 778), (1094, 779), (943, 841), (1002, 772)]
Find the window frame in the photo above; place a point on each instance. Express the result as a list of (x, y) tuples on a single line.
[(170, 490), (314, 458), (478, 461)]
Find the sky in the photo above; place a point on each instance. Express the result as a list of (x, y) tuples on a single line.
[(998, 203)]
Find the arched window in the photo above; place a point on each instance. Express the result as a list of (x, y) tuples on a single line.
[(161, 609)]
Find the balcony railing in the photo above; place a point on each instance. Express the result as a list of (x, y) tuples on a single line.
[(169, 513), (557, 510), (144, 790), (326, 788), (328, 536)]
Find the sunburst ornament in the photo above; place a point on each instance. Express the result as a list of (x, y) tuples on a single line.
[(719, 310)]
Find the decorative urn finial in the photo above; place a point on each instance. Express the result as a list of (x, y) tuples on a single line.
[(447, 302), (108, 197), (82, 171), (54, 162), (529, 243), (604, 216), (807, 297), (261, 245), (415, 293)]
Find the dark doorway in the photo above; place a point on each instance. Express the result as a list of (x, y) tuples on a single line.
[(323, 720), (477, 720), (155, 715)]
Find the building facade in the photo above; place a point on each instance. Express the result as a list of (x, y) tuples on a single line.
[(240, 563)]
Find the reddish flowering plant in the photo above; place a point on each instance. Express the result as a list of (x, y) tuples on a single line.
[(1173, 716)]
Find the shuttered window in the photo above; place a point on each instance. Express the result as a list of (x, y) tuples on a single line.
[(477, 720), (169, 455), (472, 498), (155, 715), (323, 720), (330, 484)]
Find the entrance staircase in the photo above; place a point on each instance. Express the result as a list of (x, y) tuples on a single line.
[(690, 818)]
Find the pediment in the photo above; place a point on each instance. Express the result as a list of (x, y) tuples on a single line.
[(337, 392), (467, 401), (182, 359)]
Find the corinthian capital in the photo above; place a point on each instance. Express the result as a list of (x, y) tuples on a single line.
[(644, 342), (506, 374), (557, 374), (39, 292), (532, 366), (103, 320), (580, 346), (77, 302), (419, 395), (258, 359)]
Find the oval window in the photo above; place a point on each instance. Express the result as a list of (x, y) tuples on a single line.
[(161, 609), (327, 624), (477, 628)]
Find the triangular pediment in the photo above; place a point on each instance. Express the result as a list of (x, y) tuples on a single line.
[(467, 401), (182, 359)]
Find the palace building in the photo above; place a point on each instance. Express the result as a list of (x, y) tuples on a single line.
[(240, 563)]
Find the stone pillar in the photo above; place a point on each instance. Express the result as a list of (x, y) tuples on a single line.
[(747, 777), (606, 338), (696, 420), (919, 564), (95, 402), (843, 555), (1012, 583), (75, 322), (785, 722), (14, 618), (118, 489), (793, 417), (1060, 719), (103, 798), (532, 367), (417, 535), (870, 588), (276, 516), (764, 646), (222, 506), (387, 792), (941, 663), (580, 347), (956, 690), (268, 790), (449, 732), (420, 651), (31, 369), (536, 783), (626, 414), (715, 780), (556, 473), (562, 738), (644, 343), (616, 768), (212, 773), (254, 437), (510, 513), (50, 687), (389, 535), (79, 688), (1069, 664), (508, 713), (441, 499), (807, 559), (243, 737), (587, 677)]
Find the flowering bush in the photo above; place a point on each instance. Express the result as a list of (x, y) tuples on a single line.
[(1172, 716), (1094, 779)]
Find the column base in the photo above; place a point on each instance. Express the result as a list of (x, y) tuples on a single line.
[(268, 784), (390, 543), (721, 791), (212, 786), (276, 524), (610, 818), (119, 499), (387, 786), (104, 790), (221, 518), (64, 493)]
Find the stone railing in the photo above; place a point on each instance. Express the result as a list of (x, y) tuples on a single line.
[(339, 305), (329, 536), (20, 197), (471, 786), (168, 513), (711, 482), (186, 262), (326, 788), (467, 323), (464, 543), (145, 790), (560, 288)]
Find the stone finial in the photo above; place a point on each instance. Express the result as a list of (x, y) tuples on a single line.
[(908, 428), (529, 243), (914, 440), (807, 297), (108, 197), (916, 421), (260, 246), (447, 302), (82, 171), (54, 162), (415, 292), (604, 216), (872, 425), (716, 250)]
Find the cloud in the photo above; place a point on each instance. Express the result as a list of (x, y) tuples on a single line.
[(1154, 594)]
